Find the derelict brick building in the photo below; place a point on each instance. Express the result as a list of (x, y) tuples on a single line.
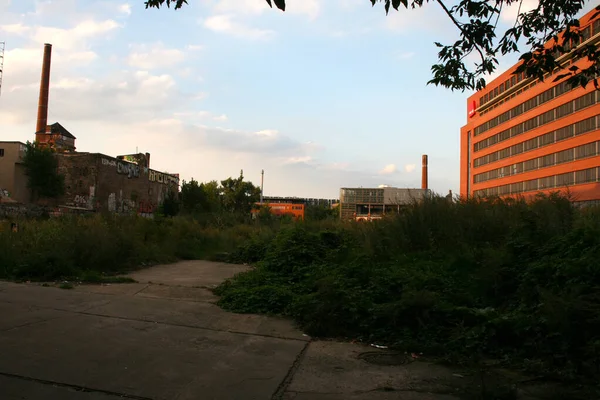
[(97, 182)]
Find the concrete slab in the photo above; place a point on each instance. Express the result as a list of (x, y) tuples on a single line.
[(178, 293), (143, 359), (16, 315), (189, 273), (112, 288), (49, 297), (368, 396), (197, 314), (19, 389), (335, 369)]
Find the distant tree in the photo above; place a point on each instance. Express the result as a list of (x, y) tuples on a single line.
[(320, 212), (41, 168), (477, 24), (170, 205), (239, 196), (192, 197), (213, 193)]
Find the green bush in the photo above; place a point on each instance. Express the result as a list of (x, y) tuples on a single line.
[(508, 279), (88, 248)]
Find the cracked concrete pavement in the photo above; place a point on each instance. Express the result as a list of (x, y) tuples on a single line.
[(164, 338)]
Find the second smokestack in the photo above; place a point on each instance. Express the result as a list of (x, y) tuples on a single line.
[(42, 115), (424, 176)]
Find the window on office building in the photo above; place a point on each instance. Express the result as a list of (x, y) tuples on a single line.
[(530, 185), (565, 156), (547, 117), (546, 139), (516, 130), (546, 161), (587, 175), (586, 125), (530, 144), (587, 150), (516, 187), (565, 179), (585, 101), (545, 183), (565, 109), (530, 165), (517, 149), (564, 133)]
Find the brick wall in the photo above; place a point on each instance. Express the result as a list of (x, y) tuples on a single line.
[(103, 183)]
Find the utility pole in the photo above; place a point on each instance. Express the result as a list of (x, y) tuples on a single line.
[(262, 185)]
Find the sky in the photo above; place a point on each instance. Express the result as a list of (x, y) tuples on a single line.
[(329, 94)]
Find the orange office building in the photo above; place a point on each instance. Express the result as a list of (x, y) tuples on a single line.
[(526, 136)]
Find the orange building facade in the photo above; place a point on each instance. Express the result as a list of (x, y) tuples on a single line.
[(524, 136), (293, 210)]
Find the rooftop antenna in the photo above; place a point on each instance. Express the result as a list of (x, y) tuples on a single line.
[(2, 45)]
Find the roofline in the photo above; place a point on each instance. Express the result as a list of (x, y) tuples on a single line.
[(12, 142)]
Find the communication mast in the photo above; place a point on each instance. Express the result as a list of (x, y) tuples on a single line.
[(2, 44)]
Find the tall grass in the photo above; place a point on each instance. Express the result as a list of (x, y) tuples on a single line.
[(73, 246), (515, 281)]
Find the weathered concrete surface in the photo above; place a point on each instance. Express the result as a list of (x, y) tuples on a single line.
[(189, 273), (335, 370), (178, 293), (143, 359), (167, 340), (12, 388)]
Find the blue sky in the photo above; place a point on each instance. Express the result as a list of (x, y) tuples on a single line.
[(329, 94)]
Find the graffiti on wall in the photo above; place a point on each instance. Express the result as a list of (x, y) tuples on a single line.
[(155, 176), (123, 167), (110, 163), (4, 193), (80, 200), (129, 169)]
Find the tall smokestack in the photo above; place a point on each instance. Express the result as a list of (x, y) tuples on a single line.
[(42, 116), (424, 177)]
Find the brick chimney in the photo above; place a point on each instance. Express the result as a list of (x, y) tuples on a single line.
[(424, 176), (42, 114)]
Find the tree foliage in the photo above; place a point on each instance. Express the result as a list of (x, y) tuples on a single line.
[(234, 196), (552, 21), (41, 168)]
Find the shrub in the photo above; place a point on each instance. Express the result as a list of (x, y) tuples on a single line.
[(507, 279)]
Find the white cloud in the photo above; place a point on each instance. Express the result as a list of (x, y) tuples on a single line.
[(152, 56), (194, 47), (509, 13), (221, 117), (388, 169), (298, 160), (125, 9), (410, 167), (227, 23), (430, 17), (406, 55), (267, 133), (310, 8)]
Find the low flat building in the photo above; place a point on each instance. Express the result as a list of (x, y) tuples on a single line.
[(301, 200), (13, 181), (367, 204)]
